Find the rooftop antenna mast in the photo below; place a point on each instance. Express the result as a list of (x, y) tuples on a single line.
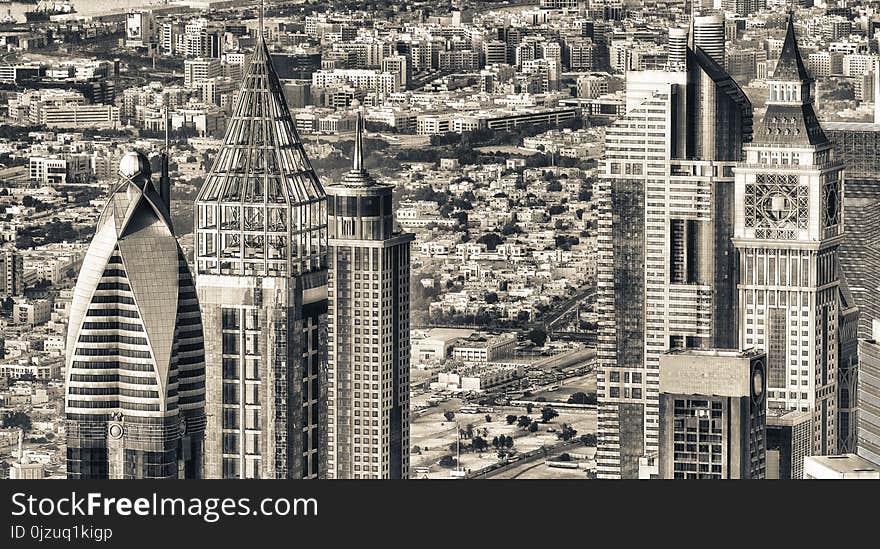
[(262, 15), (165, 178)]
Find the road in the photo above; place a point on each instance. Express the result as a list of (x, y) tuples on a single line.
[(539, 454), (562, 309)]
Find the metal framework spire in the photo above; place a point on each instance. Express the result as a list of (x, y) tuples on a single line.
[(262, 15)]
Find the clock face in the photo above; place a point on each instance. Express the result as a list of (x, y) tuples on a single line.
[(831, 200), (758, 381), (776, 206), (115, 431)]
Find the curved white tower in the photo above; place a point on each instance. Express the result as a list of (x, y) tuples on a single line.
[(135, 390)]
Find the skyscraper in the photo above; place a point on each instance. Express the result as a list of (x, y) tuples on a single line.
[(868, 445), (135, 386), (789, 224), (368, 332), (708, 35), (712, 414), (665, 261), (261, 245), (11, 272)]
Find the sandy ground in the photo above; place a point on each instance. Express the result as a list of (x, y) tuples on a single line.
[(433, 434)]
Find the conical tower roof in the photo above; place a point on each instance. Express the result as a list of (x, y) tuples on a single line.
[(791, 65), (262, 210), (790, 118), (358, 176), (262, 158)]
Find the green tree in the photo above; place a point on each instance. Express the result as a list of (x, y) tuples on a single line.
[(511, 419), (523, 422), (529, 407), (582, 398), (533, 427), (567, 432), (449, 415), (488, 418), (491, 240)]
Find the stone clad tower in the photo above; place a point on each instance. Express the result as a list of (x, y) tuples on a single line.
[(788, 226), (368, 333)]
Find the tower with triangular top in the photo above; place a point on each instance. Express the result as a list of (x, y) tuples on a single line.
[(261, 249), (368, 348), (135, 376), (788, 226)]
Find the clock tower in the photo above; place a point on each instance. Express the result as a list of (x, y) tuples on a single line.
[(788, 226)]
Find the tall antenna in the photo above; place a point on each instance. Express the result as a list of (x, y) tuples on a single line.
[(165, 178), (358, 160), (262, 14)]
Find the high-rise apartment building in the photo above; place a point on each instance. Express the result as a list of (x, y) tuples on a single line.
[(261, 245), (11, 273), (789, 441), (712, 414), (708, 35), (666, 265), (135, 383), (789, 224), (868, 441), (368, 333)]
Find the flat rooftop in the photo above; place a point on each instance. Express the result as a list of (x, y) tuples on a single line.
[(843, 466)]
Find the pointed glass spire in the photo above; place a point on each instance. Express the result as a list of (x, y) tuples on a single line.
[(262, 209)]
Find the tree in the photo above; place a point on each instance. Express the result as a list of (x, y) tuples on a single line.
[(511, 419), (533, 427), (449, 415), (554, 186), (12, 420), (491, 298), (508, 441), (488, 418), (447, 461), (524, 422), (582, 398), (589, 440), (497, 442), (416, 450), (469, 431), (491, 240), (548, 413), (529, 408), (537, 336), (479, 444), (567, 433)]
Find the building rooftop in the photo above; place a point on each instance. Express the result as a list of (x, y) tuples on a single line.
[(843, 466)]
